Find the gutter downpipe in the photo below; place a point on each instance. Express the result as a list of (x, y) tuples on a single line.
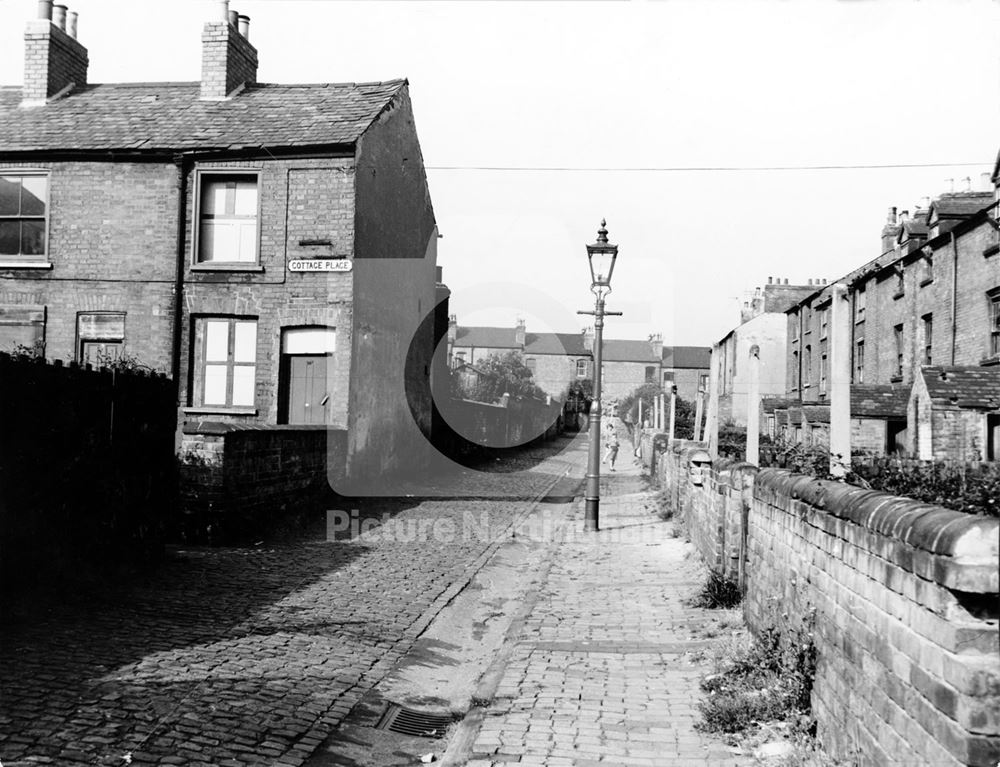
[(954, 294), (180, 161)]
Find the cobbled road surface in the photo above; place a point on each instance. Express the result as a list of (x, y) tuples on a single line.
[(252, 656)]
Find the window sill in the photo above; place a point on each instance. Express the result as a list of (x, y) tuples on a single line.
[(991, 251), (25, 265), (895, 379), (220, 410), (994, 360), (226, 267), (897, 296), (860, 322), (925, 283)]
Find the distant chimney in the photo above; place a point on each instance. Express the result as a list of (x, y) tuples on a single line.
[(519, 334), (656, 345), (243, 24), (890, 230), (967, 183), (54, 61), (924, 204), (769, 280), (588, 339), (786, 280), (228, 61), (986, 182), (452, 328)]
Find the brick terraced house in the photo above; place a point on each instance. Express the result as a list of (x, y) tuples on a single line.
[(925, 334), (272, 247)]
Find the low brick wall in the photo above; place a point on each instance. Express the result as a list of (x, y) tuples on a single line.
[(469, 427), (238, 482), (900, 597)]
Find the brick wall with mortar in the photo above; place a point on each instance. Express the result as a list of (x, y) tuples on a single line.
[(228, 60), (901, 599), (555, 372), (112, 245), (52, 61), (299, 200), (246, 480), (622, 378)]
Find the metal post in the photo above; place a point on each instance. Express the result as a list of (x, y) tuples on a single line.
[(592, 496), (712, 416)]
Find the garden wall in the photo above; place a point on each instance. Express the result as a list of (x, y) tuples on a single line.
[(901, 600), (242, 481), (86, 468)]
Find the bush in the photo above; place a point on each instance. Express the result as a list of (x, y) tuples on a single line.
[(718, 592), (766, 681)]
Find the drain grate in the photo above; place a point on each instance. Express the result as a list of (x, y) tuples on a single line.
[(419, 724)]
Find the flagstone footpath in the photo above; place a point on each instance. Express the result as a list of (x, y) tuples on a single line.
[(603, 669), (226, 657)]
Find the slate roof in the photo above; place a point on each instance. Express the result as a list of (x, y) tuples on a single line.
[(963, 387), (879, 400), (816, 413), (960, 204), (687, 357), (492, 338), (568, 344), (171, 116), (628, 351)]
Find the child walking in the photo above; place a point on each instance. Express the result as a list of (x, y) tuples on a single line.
[(612, 447)]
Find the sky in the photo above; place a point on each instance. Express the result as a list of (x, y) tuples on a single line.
[(539, 119)]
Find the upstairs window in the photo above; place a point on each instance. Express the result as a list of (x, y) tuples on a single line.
[(227, 218), (807, 364), (927, 267), (824, 321), (860, 300), (23, 207), (650, 374), (900, 282), (581, 368), (859, 362)]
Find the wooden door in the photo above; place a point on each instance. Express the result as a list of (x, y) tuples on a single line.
[(308, 397)]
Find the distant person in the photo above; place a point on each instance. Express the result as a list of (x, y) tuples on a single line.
[(612, 452)]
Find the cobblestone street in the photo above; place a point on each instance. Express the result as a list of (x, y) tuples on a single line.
[(249, 656)]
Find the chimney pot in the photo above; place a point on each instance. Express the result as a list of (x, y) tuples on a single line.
[(786, 280), (45, 9), (221, 10), (904, 216), (71, 18), (234, 18), (59, 16), (951, 185), (985, 181), (244, 26), (968, 184), (768, 280), (925, 202)]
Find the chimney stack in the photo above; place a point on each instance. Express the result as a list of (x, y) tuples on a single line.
[(54, 61), (986, 182), (228, 60), (519, 333), (890, 230)]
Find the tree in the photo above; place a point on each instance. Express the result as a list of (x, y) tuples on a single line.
[(499, 375)]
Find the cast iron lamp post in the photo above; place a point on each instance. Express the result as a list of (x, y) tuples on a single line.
[(601, 256)]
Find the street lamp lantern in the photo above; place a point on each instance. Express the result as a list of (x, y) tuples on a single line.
[(602, 255)]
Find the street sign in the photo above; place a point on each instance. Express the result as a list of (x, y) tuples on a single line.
[(319, 265)]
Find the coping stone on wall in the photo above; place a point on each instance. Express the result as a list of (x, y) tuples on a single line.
[(958, 550)]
